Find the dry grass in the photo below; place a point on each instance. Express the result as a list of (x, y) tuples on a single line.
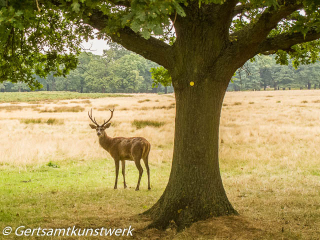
[(62, 109), (144, 100), (50, 121), (10, 108), (166, 107), (144, 123), (107, 107), (42, 142), (81, 101), (269, 159)]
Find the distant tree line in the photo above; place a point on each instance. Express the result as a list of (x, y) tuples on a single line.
[(117, 70), (264, 74), (121, 71)]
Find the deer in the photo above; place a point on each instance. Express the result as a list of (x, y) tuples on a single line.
[(122, 149)]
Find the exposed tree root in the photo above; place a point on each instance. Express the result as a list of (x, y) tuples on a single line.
[(184, 212)]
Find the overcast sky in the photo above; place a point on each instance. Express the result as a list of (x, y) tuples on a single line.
[(96, 46)]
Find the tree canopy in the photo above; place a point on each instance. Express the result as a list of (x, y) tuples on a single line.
[(39, 37)]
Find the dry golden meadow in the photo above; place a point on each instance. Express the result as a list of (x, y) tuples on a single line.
[(55, 174)]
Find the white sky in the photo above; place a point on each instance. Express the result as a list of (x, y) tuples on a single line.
[(95, 46)]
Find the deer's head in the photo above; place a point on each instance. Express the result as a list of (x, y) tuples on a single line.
[(100, 128)]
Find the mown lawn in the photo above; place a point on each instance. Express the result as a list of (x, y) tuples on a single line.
[(75, 193)]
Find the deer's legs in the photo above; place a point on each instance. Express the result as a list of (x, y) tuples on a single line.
[(123, 164), (138, 165), (117, 173), (145, 160)]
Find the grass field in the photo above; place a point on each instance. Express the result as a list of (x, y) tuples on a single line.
[(50, 96), (53, 174)]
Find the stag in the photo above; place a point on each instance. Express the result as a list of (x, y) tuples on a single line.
[(121, 149)]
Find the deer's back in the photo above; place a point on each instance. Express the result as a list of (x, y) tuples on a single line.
[(130, 148)]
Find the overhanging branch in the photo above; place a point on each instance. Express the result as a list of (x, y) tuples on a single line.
[(152, 48), (269, 19), (248, 39), (286, 41)]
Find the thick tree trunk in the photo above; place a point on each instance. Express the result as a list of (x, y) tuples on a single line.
[(195, 191), (200, 74)]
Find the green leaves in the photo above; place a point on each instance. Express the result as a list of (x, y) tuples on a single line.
[(282, 57), (151, 17), (40, 42), (75, 6), (36, 42), (160, 75)]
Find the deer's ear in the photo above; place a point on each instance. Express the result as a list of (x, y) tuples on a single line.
[(107, 125), (93, 126)]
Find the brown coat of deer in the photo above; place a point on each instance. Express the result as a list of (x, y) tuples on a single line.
[(121, 149)]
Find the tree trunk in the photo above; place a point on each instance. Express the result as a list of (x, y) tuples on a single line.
[(53, 84), (200, 77), (195, 191), (154, 90), (165, 90)]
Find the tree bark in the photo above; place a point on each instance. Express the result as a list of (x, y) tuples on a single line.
[(195, 190)]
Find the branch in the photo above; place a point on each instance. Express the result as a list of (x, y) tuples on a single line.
[(246, 43), (152, 49), (268, 20), (248, 39), (286, 41)]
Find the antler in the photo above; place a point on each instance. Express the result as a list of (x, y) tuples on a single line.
[(105, 122), (93, 120)]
